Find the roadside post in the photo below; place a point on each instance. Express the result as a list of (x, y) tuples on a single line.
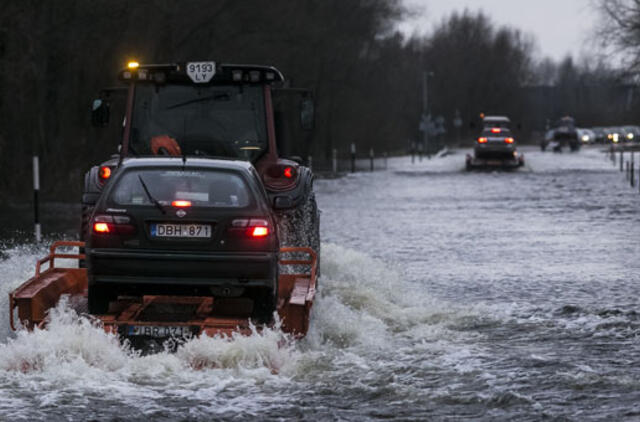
[(353, 157), (310, 161), (334, 161), (632, 178), (386, 155), (626, 170), (36, 194), (371, 159), (457, 123), (621, 160)]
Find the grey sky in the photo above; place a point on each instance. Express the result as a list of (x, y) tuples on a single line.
[(560, 27)]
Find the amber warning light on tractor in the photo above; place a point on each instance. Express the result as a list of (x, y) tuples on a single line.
[(133, 65)]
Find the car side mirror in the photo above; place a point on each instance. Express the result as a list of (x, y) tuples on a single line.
[(282, 202), (100, 113), (307, 113)]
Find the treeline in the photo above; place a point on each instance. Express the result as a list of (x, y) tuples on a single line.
[(367, 78)]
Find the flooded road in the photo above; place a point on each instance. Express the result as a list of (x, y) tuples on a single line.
[(444, 295)]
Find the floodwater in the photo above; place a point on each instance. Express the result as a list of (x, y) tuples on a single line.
[(445, 295)]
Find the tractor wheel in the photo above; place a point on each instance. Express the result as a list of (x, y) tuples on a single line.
[(300, 226)]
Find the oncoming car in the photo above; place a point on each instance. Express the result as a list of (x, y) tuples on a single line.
[(495, 147), (184, 227)]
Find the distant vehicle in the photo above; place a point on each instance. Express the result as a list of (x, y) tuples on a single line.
[(496, 121), (184, 227), (495, 148), (614, 135), (565, 134), (630, 133), (586, 136), (600, 134)]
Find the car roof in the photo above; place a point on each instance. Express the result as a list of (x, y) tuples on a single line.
[(190, 162)]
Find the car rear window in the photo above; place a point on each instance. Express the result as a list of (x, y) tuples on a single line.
[(203, 188)]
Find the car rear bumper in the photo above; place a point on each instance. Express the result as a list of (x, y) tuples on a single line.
[(170, 267), (510, 161)]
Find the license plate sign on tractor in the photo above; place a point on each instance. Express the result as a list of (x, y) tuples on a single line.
[(201, 72), (181, 230), (159, 331)]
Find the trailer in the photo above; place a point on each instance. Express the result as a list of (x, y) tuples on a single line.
[(153, 317)]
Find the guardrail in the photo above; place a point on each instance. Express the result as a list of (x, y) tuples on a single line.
[(351, 162)]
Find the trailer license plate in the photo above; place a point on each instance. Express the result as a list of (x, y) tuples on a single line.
[(160, 331), (181, 230)]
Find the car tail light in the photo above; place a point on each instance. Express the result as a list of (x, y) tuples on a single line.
[(113, 224), (251, 227), (101, 228), (104, 173), (508, 140), (482, 140), (260, 231), (496, 130), (181, 203)]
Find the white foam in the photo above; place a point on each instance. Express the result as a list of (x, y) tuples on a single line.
[(366, 316)]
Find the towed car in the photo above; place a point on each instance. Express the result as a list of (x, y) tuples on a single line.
[(184, 227), (495, 148)]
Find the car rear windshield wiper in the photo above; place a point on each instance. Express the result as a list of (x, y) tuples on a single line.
[(151, 198), (218, 96)]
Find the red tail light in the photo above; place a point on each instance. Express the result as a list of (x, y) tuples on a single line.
[(288, 172), (496, 130), (482, 140), (104, 173), (254, 227), (113, 224), (181, 204), (508, 140), (260, 231), (101, 228)]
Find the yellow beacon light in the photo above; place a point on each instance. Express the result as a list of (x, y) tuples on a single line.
[(133, 65)]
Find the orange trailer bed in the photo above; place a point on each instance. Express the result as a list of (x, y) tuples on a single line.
[(197, 315)]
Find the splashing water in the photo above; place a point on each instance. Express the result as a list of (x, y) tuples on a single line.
[(363, 305)]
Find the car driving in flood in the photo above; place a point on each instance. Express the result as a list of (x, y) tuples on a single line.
[(184, 227), (495, 148)]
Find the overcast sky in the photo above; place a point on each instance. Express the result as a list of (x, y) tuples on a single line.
[(560, 27)]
